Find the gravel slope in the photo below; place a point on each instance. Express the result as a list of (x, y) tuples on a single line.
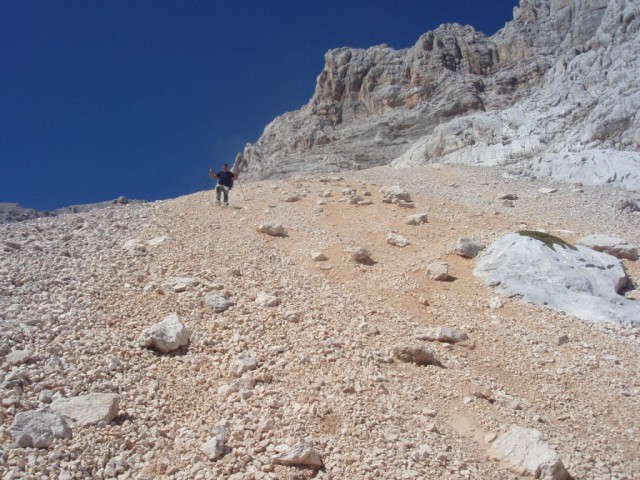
[(78, 301)]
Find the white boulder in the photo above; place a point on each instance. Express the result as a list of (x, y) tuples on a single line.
[(166, 336), (274, 229), (525, 450), (397, 240), (576, 280)]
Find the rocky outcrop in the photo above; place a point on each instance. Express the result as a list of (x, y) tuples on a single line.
[(554, 93)]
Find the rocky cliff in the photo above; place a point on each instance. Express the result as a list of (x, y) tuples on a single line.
[(554, 93)]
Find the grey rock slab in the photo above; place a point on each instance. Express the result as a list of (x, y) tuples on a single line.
[(468, 247), (525, 450), (38, 428), (181, 284), (615, 246), (273, 229), (302, 454), (19, 357), (164, 337), (441, 334), (580, 282), (88, 409), (218, 302), (418, 354)]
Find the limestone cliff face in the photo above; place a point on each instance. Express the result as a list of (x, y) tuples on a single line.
[(555, 93)]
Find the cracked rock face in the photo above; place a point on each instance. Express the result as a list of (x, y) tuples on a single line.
[(554, 93)]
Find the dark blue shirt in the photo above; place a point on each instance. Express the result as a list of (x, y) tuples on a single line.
[(225, 178)]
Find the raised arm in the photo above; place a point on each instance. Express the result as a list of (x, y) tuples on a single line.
[(212, 174)]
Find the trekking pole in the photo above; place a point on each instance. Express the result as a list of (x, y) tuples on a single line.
[(243, 197)]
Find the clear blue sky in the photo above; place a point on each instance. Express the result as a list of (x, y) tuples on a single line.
[(103, 98)]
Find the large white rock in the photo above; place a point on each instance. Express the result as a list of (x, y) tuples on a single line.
[(525, 450), (166, 336), (580, 282), (38, 428), (88, 409), (615, 246)]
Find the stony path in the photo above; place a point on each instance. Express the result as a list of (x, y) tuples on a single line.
[(321, 367)]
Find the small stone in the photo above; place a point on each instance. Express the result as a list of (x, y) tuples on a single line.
[(218, 302), (359, 254), (19, 357), (495, 302), (301, 454), (418, 354), (547, 190), (395, 195), (292, 198), (508, 196), (397, 240), (318, 257), (441, 334), (273, 228), (368, 329), (562, 339), (244, 362), (166, 336), (266, 300), (214, 448), (417, 219), (438, 271), (468, 247)]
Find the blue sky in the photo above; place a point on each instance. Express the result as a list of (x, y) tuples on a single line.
[(139, 97)]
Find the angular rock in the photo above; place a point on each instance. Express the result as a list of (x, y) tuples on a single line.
[(214, 448), (19, 357), (418, 354), (38, 428), (274, 229), (159, 240), (292, 198), (164, 337), (218, 302), (368, 329), (468, 247), (438, 271), (359, 254), (441, 334), (615, 246), (181, 284), (301, 454), (397, 240), (508, 196), (88, 409), (395, 194), (527, 453), (266, 300), (318, 257), (244, 362), (417, 219), (135, 247)]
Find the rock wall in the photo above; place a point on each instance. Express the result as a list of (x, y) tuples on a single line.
[(554, 93)]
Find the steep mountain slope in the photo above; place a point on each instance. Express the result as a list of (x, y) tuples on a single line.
[(317, 359), (553, 93)]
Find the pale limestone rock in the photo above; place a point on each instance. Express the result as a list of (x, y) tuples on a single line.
[(214, 448), (168, 335), (318, 257), (301, 454), (19, 357), (440, 334), (438, 271), (417, 219), (244, 362), (527, 453), (38, 428), (468, 247), (88, 409), (265, 300), (615, 246), (395, 195), (397, 240), (273, 228), (359, 254)]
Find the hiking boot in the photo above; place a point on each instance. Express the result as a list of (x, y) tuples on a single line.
[(225, 204), (218, 202)]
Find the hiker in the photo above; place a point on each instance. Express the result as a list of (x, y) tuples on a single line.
[(225, 182)]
